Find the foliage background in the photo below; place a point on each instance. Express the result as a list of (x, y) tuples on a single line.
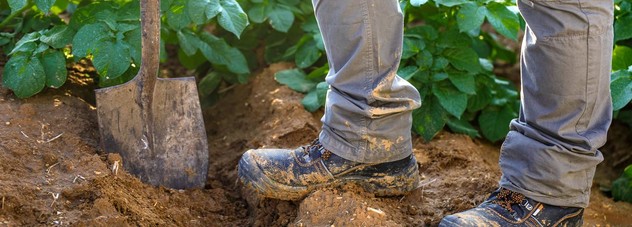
[(452, 49)]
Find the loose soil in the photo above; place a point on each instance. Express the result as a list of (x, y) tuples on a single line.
[(52, 171)]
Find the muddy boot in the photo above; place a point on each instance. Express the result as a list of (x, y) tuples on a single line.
[(507, 208), (292, 174)]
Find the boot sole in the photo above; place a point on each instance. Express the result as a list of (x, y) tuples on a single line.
[(389, 185)]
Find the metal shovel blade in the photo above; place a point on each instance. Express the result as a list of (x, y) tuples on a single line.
[(155, 124), (175, 153)]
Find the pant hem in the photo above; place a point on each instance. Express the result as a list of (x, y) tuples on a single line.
[(349, 152)]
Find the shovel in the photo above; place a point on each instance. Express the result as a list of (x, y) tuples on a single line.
[(155, 124)]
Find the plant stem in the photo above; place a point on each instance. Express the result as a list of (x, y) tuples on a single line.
[(14, 14)]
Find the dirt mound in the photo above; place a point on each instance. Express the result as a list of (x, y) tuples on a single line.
[(52, 171)]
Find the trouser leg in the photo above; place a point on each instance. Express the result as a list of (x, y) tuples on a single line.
[(368, 114), (551, 153)]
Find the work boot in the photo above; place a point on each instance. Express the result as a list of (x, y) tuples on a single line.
[(292, 174), (508, 208)]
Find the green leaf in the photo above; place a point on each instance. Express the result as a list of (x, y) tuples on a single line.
[(24, 74), (425, 60), (428, 33), (58, 36), (59, 7), (188, 41), (191, 62), (464, 82), (307, 54), (319, 74), (44, 5), (126, 27), (470, 16), (316, 97), (622, 187), (88, 14), (4, 38), (88, 38), (281, 19), (453, 39), (200, 11), (439, 77), (429, 119), (209, 83), (258, 13), (41, 48), (462, 126), (289, 2), (133, 39), (486, 64), (243, 78), (450, 3), (418, 3), (128, 12), (16, 5), (111, 59), (25, 48), (295, 79), (412, 46), (407, 72), (127, 76), (621, 89), (322, 88), (463, 59), (177, 17), (310, 101), (232, 17), (450, 98), (109, 18), (483, 96), (503, 20), (217, 51), (494, 122), (622, 28), (26, 44), (54, 64), (440, 63), (621, 57), (165, 4)]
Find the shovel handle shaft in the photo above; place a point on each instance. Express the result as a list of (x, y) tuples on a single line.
[(150, 53)]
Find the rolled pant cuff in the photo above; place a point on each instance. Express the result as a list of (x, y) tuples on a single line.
[(363, 153), (547, 173)]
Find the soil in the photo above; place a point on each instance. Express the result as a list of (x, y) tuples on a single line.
[(52, 171)]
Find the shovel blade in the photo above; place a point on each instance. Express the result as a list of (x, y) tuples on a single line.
[(174, 153)]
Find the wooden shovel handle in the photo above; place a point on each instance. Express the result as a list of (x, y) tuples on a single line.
[(150, 44), (150, 54)]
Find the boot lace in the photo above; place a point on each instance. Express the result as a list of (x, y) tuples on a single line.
[(507, 198), (316, 146)]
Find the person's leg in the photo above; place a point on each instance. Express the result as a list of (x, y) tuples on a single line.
[(550, 154), (368, 110), (366, 138)]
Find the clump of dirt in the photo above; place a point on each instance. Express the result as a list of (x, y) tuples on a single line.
[(53, 172)]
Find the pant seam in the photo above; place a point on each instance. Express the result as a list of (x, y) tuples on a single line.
[(370, 51), (589, 103)]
